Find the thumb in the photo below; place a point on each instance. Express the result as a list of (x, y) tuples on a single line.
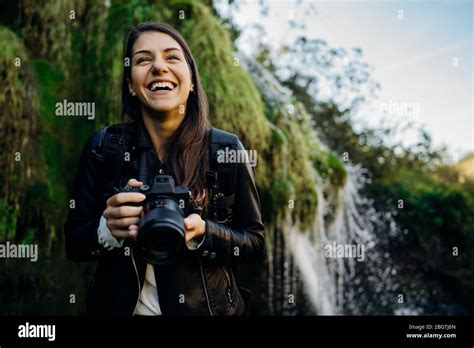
[(187, 223), (134, 183)]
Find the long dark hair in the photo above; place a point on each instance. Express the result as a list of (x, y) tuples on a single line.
[(185, 153)]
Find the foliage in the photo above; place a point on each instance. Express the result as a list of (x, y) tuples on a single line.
[(438, 197), (20, 130)]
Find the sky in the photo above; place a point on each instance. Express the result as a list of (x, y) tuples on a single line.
[(421, 53)]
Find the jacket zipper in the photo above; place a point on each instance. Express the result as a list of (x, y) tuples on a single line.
[(205, 288), (229, 289), (138, 280)]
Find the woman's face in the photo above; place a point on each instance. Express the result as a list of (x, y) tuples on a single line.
[(158, 65)]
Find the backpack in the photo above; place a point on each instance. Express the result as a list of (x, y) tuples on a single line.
[(220, 178)]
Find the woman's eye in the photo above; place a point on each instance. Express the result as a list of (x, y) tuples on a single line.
[(173, 56), (140, 60)]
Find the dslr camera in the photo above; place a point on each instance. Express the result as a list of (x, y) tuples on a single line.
[(161, 232)]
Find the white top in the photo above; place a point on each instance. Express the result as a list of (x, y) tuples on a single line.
[(148, 303)]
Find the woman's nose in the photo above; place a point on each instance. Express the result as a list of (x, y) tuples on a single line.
[(159, 65)]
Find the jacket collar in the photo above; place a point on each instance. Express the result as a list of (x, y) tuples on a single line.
[(144, 140)]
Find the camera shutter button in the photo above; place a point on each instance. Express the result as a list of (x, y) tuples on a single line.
[(144, 188), (161, 171)]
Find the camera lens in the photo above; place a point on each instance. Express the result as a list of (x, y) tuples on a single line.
[(161, 233)]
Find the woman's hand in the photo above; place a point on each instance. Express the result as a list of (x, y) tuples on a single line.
[(195, 227), (122, 219)]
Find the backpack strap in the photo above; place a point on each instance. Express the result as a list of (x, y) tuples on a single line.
[(109, 153), (221, 176), (97, 148)]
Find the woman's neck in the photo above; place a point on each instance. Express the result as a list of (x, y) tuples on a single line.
[(161, 127)]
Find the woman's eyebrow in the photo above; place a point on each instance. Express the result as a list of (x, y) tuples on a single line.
[(142, 51), (165, 50), (171, 49)]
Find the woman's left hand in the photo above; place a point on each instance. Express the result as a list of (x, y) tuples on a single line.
[(195, 227)]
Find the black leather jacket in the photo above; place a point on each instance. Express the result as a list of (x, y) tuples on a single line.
[(203, 282)]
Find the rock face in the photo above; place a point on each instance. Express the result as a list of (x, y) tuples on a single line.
[(78, 57)]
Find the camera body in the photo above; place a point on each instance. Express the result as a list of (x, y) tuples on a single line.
[(161, 233)]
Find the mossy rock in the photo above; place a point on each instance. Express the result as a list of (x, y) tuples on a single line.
[(20, 120)]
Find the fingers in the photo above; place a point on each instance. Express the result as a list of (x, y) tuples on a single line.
[(122, 223), (124, 211), (121, 233), (125, 197), (189, 235), (134, 183), (195, 226), (130, 231), (187, 224), (191, 221), (133, 231), (122, 219)]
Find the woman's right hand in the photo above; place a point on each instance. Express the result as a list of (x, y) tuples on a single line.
[(123, 219)]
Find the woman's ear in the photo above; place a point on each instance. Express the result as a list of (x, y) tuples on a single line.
[(130, 88)]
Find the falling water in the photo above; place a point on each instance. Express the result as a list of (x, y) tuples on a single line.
[(329, 281), (333, 285)]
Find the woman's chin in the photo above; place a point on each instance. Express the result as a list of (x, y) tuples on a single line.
[(162, 107)]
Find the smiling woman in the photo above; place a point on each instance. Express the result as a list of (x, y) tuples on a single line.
[(130, 216), (157, 53), (160, 76)]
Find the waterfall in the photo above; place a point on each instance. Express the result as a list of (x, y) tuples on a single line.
[(333, 285), (330, 282), (358, 281)]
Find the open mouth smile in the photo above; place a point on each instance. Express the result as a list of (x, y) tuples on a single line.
[(161, 87)]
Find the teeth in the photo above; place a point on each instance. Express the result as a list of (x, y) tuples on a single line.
[(157, 85)]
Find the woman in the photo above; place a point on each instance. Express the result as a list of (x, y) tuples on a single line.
[(170, 135)]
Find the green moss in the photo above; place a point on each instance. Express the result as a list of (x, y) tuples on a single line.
[(275, 197), (9, 214), (337, 171), (47, 26), (49, 78), (235, 102), (20, 131)]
